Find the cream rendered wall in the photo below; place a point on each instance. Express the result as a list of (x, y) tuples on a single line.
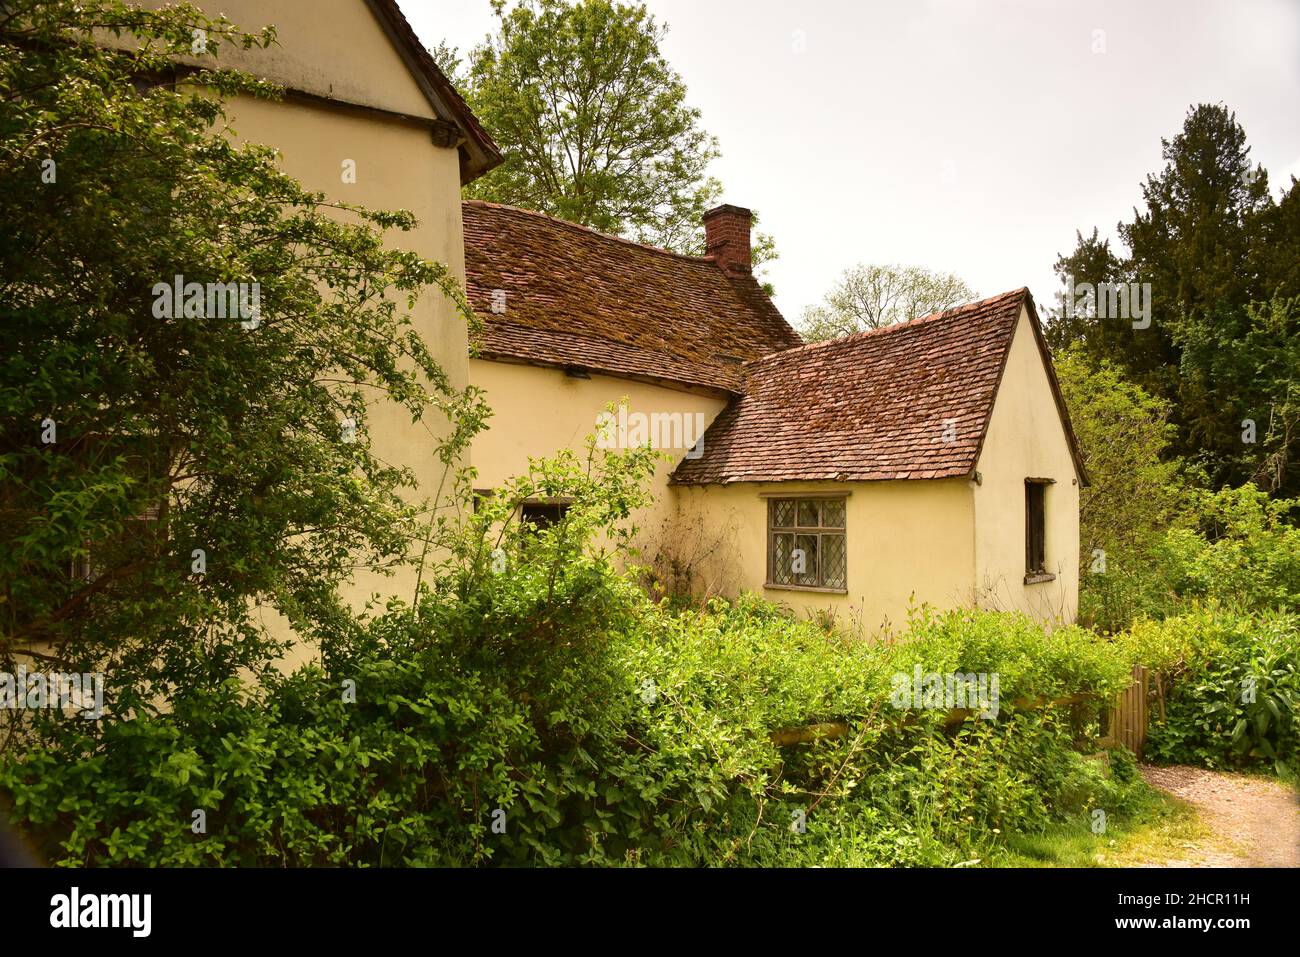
[(396, 167), (537, 411), (909, 542), (332, 48), (338, 49), (1026, 439)]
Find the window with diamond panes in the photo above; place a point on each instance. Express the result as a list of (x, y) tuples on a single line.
[(805, 543)]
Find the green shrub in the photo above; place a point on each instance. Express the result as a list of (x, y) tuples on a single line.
[(533, 707), (1243, 553), (642, 737), (1232, 688), (1234, 547)]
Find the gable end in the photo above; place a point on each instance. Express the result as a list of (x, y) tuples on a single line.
[(1045, 356)]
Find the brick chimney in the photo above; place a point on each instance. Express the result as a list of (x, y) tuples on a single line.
[(726, 238)]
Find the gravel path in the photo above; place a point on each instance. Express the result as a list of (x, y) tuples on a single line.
[(1256, 822)]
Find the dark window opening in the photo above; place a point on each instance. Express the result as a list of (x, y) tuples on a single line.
[(1035, 528), (142, 530), (542, 515)]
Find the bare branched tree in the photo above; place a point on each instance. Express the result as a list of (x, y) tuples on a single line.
[(868, 296)]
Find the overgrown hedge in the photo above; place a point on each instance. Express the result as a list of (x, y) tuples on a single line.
[(1237, 548), (606, 729), (1229, 688), (533, 707), (1213, 608)]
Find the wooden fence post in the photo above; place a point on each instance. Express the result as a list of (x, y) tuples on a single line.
[(1128, 718)]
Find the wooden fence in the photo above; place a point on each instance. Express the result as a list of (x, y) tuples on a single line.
[(1126, 723), (806, 734)]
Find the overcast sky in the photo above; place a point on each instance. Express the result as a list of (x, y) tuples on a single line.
[(963, 135)]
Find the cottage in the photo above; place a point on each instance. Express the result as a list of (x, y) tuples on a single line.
[(927, 462), (931, 461)]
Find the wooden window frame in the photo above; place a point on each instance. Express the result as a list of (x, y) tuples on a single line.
[(819, 531), (1036, 531)]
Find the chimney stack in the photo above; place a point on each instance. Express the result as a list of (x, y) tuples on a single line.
[(726, 238)]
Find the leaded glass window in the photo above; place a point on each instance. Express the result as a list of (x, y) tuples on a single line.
[(805, 544)]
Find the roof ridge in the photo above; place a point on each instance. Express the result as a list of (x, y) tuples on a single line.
[(579, 227), (953, 313)]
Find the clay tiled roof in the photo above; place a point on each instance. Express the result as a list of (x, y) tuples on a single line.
[(910, 401), (575, 297)]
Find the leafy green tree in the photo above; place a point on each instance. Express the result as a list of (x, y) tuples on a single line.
[(1214, 248), (1191, 243), (1275, 246), (1134, 495), (163, 471), (1194, 233), (1124, 435), (868, 296), (593, 121), (1252, 378), (450, 63), (1072, 323)]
